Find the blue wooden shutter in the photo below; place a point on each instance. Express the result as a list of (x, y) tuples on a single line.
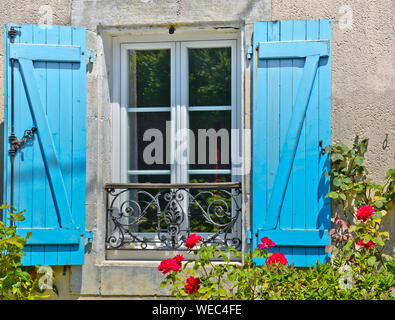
[(49, 172), (291, 120)]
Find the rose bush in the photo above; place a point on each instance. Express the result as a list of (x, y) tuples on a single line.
[(358, 267), (17, 282)]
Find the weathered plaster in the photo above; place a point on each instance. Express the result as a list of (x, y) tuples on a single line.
[(94, 13)]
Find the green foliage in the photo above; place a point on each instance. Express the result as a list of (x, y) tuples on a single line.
[(149, 72), (16, 281), (349, 184), (209, 77), (355, 271), (248, 281)]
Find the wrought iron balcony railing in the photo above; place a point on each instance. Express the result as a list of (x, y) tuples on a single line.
[(162, 216)]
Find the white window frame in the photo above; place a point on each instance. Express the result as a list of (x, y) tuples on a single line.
[(179, 98)]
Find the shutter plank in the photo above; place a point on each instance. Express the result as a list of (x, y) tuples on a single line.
[(79, 144), (312, 153), (299, 168), (25, 160), (286, 106), (39, 208), (273, 111), (324, 128), (65, 130), (52, 110), (259, 136)]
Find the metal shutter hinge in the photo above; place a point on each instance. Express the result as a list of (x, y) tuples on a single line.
[(12, 33), (249, 52), (89, 236), (249, 236), (89, 54)]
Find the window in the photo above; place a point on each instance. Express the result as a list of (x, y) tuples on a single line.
[(177, 125)]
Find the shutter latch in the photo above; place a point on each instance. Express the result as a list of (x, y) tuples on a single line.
[(249, 236), (89, 55), (249, 53), (89, 236), (321, 145), (12, 33), (20, 144)]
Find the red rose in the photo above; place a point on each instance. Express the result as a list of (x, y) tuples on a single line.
[(365, 212), (366, 245), (266, 243), (179, 258), (169, 265), (276, 258), (192, 285), (192, 240)]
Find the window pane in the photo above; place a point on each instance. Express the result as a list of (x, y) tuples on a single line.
[(212, 136), (149, 78), (210, 77), (151, 154)]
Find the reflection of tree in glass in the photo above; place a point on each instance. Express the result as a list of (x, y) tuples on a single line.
[(210, 77), (149, 72), (216, 120)]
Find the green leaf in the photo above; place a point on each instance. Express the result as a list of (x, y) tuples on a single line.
[(371, 261), (347, 180), (222, 292), (390, 173), (337, 182), (336, 156), (359, 160), (332, 195), (378, 204)]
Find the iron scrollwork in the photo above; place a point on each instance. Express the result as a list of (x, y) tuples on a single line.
[(162, 216)]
